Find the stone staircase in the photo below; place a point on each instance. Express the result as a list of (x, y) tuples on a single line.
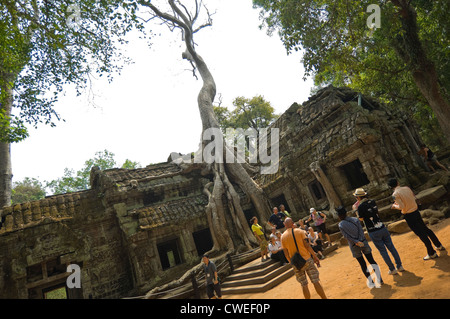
[(257, 276)]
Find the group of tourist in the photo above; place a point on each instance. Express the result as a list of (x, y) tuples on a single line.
[(282, 246), (303, 239), (271, 249), (367, 213), (289, 240)]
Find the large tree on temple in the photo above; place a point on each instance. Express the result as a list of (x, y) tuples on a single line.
[(223, 209)]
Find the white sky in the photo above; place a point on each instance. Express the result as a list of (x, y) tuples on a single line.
[(150, 110)]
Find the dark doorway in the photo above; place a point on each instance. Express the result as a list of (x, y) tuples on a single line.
[(203, 241), (169, 254), (317, 190), (277, 201), (355, 174)]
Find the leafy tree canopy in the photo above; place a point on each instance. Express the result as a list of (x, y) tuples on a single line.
[(341, 49), (254, 113), (46, 45), (29, 189), (73, 181)]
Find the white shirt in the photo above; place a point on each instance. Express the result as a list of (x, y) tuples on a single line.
[(274, 248), (405, 200)]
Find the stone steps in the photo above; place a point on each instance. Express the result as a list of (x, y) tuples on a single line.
[(252, 277), (257, 276)]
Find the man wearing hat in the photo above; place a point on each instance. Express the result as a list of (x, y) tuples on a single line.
[(358, 192), (367, 211), (212, 279)]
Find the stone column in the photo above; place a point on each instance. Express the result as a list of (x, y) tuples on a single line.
[(331, 194)]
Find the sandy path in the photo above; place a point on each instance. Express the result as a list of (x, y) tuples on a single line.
[(342, 278)]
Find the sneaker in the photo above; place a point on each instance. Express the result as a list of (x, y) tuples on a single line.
[(371, 284), (393, 272), (401, 269), (428, 257), (442, 248)]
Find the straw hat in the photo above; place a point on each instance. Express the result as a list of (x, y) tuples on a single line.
[(359, 192)]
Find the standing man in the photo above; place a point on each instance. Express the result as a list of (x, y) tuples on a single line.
[(212, 279), (305, 250), (405, 200), (276, 219), (378, 232), (352, 230), (284, 211)]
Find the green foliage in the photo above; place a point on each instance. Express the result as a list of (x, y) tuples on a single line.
[(223, 116), (29, 189), (59, 293), (254, 113), (128, 164), (340, 49), (73, 181), (11, 130), (47, 45)]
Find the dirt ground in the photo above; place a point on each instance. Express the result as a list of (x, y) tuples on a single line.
[(342, 278)]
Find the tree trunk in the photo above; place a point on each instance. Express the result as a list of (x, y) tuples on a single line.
[(223, 209), (331, 194), (409, 47), (5, 154), (427, 81), (224, 201)]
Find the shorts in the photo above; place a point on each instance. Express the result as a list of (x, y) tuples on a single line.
[(310, 269), (358, 251), (322, 228), (432, 158), (263, 243), (210, 288)]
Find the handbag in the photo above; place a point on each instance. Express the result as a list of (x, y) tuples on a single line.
[(297, 260)]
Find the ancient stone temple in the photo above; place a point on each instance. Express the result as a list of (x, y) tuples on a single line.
[(133, 228), (338, 141), (136, 229)]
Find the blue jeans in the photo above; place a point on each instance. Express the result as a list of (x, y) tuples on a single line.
[(382, 240)]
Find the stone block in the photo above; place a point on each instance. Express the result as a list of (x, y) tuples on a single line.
[(431, 195), (399, 227), (429, 213), (446, 212), (343, 241), (9, 223), (387, 213)]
